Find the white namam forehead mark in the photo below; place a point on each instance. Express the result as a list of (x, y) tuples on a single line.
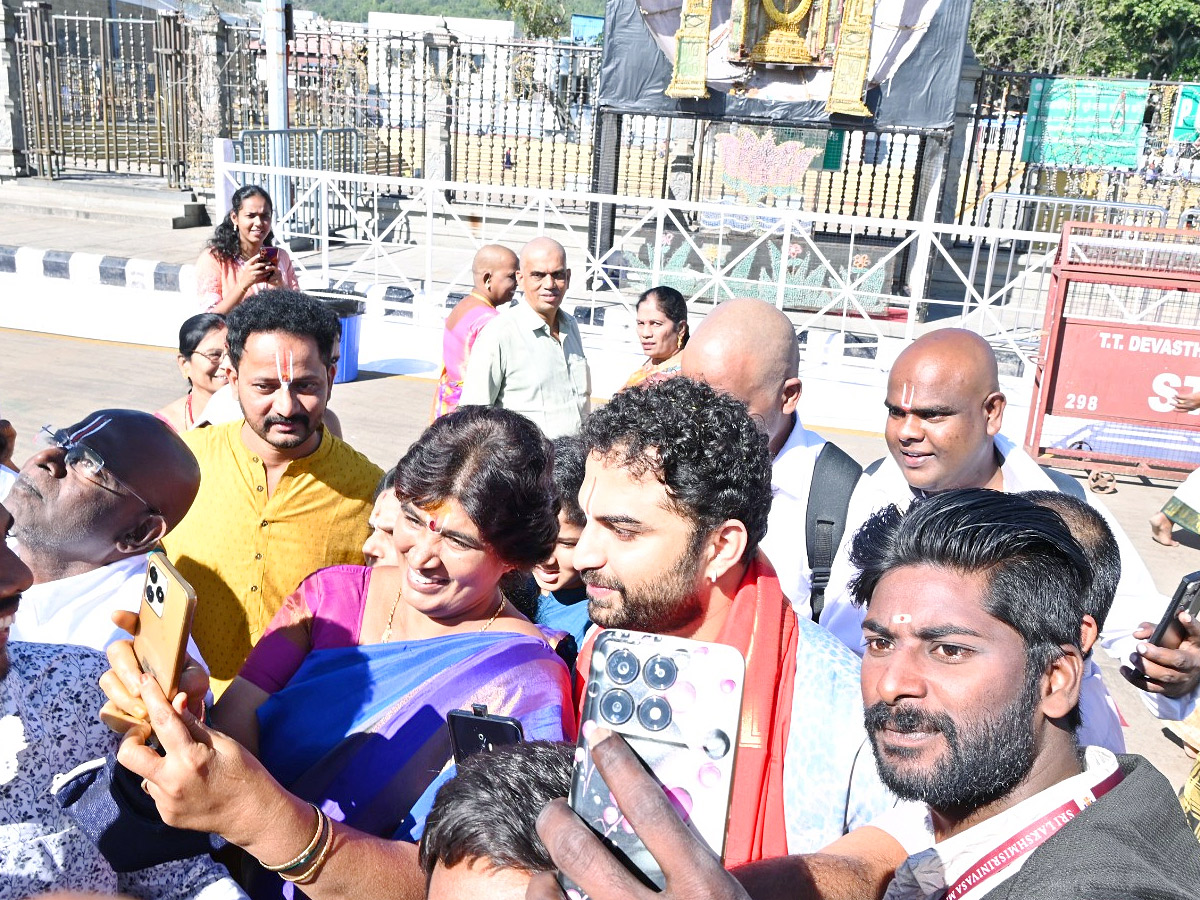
[(908, 393), (88, 429), (589, 489), (285, 380)]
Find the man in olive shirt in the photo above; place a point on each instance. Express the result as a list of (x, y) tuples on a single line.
[(530, 357), (280, 496)]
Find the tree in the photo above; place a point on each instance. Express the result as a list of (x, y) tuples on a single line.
[(537, 18), (1163, 36), (1057, 37)]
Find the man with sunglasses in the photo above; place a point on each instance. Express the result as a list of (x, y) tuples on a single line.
[(530, 357), (87, 507)]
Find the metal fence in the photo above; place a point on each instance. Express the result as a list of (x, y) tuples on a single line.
[(1168, 176)]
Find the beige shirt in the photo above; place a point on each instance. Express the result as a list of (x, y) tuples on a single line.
[(518, 364)]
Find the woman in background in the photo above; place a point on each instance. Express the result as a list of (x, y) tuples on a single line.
[(241, 258), (662, 328), (201, 349)]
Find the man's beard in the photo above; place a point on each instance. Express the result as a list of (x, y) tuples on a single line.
[(284, 441), (984, 760), (659, 606)]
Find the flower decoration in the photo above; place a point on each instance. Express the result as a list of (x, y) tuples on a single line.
[(757, 167)]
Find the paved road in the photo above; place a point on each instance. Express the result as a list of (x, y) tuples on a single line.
[(56, 380)]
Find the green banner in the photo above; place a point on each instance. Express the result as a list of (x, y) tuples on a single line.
[(1075, 122), (1186, 127)]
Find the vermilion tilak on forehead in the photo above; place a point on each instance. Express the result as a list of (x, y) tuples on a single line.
[(285, 380)]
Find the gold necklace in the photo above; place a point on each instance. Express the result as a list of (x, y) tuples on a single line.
[(387, 631)]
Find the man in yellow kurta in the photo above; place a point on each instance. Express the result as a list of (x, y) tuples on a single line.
[(280, 496)]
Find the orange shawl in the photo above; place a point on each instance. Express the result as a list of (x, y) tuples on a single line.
[(762, 626)]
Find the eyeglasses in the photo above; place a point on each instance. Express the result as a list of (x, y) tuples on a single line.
[(88, 464), (213, 356)]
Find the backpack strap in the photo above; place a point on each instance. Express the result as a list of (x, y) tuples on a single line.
[(834, 476)]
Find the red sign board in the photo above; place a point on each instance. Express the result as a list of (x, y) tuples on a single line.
[(1121, 372)]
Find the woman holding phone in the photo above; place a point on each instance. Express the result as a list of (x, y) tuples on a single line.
[(241, 258), (336, 727)]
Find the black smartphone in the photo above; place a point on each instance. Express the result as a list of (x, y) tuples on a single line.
[(476, 731), (677, 702), (1187, 597)]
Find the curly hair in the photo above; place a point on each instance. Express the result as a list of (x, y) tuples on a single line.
[(1037, 574), (289, 312), (498, 466), (702, 445), (225, 242), (671, 304), (569, 459)]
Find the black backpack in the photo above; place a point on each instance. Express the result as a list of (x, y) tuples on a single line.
[(834, 477)]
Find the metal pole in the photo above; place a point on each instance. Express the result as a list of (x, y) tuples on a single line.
[(275, 40)]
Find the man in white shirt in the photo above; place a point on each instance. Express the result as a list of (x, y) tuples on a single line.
[(87, 507), (530, 357), (945, 410), (971, 683), (747, 348)]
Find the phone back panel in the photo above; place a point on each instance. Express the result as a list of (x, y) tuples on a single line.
[(677, 702), (164, 622)]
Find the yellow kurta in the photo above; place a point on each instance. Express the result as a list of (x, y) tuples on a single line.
[(244, 552)]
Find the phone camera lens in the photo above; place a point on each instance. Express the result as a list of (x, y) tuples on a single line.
[(622, 667), (660, 673), (616, 706), (153, 575), (654, 713), (149, 593), (159, 595)]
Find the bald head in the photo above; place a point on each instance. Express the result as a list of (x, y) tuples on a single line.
[(544, 277), (747, 348), (944, 411), (540, 247), (494, 273), (122, 481)]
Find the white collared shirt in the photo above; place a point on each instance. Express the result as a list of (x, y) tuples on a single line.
[(928, 873), (7, 477), (785, 543), (518, 364)]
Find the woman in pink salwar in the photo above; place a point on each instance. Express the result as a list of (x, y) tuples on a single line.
[(494, 271), (241, 258)]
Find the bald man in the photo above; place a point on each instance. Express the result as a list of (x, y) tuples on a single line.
[(747, 348), (530, 357), (494, 279), (87, 507), (944, 412)]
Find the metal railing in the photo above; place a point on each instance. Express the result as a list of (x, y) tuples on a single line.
[(827, 272)]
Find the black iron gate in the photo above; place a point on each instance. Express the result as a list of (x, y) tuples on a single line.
[(102, 94)]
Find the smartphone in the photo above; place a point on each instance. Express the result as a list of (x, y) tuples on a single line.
[(678, 704), (164, 623), (475, 731), (1187, 597), (271, 255)]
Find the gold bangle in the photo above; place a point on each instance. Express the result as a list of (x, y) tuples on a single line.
[(307, 853), (308, 876)]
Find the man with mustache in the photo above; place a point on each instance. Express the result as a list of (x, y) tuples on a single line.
[(280, 495), (49, 696), (971, 687), (677, 491), (87, 507)]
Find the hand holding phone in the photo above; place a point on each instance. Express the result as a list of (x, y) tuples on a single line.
[(1186, 599), (677, 703), (160, 643)]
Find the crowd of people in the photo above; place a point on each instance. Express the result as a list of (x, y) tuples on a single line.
[(922, 716)]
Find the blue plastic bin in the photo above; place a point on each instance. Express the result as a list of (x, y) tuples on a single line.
[(349, 309)]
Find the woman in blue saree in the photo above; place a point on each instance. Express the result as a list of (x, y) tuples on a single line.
[(344, 699)]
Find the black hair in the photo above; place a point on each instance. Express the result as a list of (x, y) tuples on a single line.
[(672, 305), (386, 483), (195, 329), (289, 312), (1099, 544), (1035, 572), (497, 465), (569, 459), (489, 809), (701, 444), (225, 242)]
